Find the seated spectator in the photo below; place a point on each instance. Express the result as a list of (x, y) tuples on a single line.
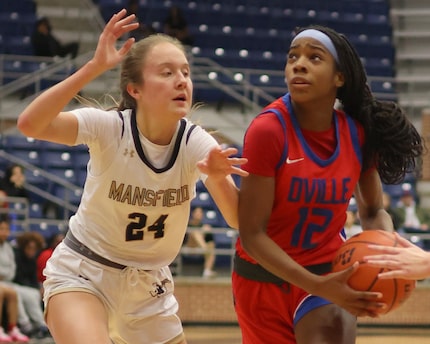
[(12, 185), (28, 246), (143, 30), (30, 315), (176, 25), (9, 298), (43, 257), (46, 44), (201, 237), (3, 202), (411, 216), (386, 199), (13, 181)]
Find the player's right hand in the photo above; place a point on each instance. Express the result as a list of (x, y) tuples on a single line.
[(107, 55)]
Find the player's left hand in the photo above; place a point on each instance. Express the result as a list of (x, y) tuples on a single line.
[(218, 163)]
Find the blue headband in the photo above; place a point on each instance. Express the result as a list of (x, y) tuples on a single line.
[(320, 37)]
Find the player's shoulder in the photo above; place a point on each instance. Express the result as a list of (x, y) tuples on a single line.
[(194, 131), (98, 112)]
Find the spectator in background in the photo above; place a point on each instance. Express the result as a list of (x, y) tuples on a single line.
[(201, 236), (13, 186), (176, 25), (43, 257), (3, 202), (386, 200), (9, 298), (46, 44), (13, 181), (144, 30), (133, 8), (352, 223), (29, 244), (30, 315), (411, 216)]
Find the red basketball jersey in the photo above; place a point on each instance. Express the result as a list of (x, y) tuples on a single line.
[(312, 194)]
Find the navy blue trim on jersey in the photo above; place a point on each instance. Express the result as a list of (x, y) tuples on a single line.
[(309, 152), (284, 128), (139, 149), (189, 133), (355, 138), (122, 120)]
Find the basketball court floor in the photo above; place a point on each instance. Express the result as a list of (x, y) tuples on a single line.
[(231, 335)]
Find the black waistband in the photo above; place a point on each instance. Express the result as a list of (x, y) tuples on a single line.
[(79, 247), (256, 272)]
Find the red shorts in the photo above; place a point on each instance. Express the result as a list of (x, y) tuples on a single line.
[(267, 312)]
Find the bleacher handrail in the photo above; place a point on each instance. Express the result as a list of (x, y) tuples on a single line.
[(55, 65)]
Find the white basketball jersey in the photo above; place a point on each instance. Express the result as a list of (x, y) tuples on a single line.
[(134, 213)]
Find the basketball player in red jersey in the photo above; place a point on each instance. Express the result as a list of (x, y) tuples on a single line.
[(306, 160)]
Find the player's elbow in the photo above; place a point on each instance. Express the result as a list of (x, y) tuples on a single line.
[(26, 126)]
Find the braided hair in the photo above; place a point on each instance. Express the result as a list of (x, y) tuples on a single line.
[(392, 142)]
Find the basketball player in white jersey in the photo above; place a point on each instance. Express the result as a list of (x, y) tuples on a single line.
[(109, 281)]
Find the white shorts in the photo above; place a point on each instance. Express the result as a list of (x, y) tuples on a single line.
[(140, 304)]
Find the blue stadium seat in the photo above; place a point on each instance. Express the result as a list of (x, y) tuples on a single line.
[(46, 145), (80, 159), (81, 176), (45, 229), (29, 156), (57, 159), (384, 89), (17, 24), (20, 6), (34, 178), (21, 142), (67, 174), (74, 197), (35, 211), (270, 26), (204, 200), (214, 218)]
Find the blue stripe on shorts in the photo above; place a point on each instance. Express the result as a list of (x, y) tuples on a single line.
[(309, 304)]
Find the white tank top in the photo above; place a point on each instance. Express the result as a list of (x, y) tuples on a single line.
[(132, 212)]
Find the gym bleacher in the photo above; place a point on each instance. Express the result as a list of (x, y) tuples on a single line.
[(249, 37)]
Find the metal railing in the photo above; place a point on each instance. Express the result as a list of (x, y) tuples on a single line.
[(178, 266)]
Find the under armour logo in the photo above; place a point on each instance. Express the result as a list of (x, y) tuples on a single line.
[(159, 288), (130, 152)]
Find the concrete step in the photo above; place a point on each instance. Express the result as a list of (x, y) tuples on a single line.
[(72, 22)]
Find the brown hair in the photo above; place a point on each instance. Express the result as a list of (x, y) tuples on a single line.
[(131, 67), (25, 238)]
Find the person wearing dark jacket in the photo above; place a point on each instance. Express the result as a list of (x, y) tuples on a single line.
[(46, 44)]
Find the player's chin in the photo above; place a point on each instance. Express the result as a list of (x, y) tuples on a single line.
[(182, 110)]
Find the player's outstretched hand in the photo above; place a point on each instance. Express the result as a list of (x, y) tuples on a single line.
[(107, 55), (334, 287), (218, 163), (406, 261)]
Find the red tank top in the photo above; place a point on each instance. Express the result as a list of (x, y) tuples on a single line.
[(312, 193)]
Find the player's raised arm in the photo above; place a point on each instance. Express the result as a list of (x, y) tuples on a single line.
[(43, 119)]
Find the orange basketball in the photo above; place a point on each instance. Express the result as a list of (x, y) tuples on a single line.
[(395, 291)]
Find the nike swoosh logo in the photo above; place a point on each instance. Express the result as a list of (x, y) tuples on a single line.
[(292, 161)]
